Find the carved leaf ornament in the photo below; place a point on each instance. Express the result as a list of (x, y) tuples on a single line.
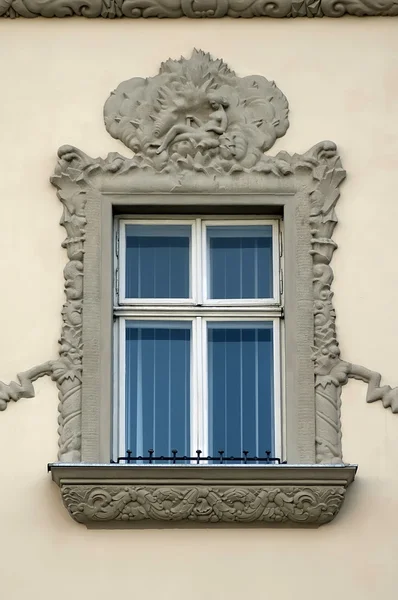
[(196, 117)]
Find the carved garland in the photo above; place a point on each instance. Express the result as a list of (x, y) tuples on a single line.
[(267, 504), (196, 9), (239, 119)]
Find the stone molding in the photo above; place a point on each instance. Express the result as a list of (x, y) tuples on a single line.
[(220, 152), (282, 494), (196, 9)]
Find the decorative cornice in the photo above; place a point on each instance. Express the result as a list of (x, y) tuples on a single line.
[(296, 495), (196, 9)]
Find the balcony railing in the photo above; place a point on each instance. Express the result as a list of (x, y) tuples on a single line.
[(221, 459)]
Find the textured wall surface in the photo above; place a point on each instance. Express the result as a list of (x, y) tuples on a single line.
[(341, 80)]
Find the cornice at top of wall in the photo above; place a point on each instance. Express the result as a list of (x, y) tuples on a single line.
[(195, 9)]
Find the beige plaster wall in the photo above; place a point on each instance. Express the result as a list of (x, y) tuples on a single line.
[(341, 79)]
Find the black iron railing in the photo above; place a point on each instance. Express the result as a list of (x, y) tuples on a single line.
[(198, 459)]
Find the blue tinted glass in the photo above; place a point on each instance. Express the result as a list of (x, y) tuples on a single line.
[(240, 388), (240, 261), (158, 387), (157, 261)]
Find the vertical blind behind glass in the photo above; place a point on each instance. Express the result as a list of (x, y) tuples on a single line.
[(241, 384), (240, 261), (157, 261), (157, 387)]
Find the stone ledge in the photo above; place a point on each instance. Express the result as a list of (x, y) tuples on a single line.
[(273, 494)]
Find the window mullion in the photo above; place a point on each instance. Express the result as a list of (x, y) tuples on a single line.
[(205, 387), (199, 411), (198, 273)]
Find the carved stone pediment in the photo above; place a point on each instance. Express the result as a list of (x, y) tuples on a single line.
[(197, 113)]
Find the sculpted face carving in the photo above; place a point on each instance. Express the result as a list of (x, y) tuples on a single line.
[(197, 108)]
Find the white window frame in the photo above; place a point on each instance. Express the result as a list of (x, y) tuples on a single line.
[(198, 310), (206, 271), (123, 300)]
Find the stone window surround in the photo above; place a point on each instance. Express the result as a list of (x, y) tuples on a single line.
[(305, 189), (93, 491), (306, 197)]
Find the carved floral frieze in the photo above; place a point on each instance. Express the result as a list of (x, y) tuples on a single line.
[(264, 495), (196, 9), (305, 505)]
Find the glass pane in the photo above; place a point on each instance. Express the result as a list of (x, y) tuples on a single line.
[(158, 387), (240, 261), (241, 388), (157, 261)]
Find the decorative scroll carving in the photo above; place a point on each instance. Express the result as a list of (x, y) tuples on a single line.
[(268, 504), (385, 393), (327, 395), (23, 389), (67, 370), (196, 9), (277, 494)]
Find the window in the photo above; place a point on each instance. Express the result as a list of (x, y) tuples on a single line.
[(198, 317), (196, 310)]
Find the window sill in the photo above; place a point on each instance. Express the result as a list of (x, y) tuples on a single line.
[(304, 495)]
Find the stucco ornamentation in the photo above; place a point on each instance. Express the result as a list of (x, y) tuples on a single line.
[(24, 387), (196, 111), (198, 128), (196, 9), (66, 371), (270, 504), (299, 495)]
